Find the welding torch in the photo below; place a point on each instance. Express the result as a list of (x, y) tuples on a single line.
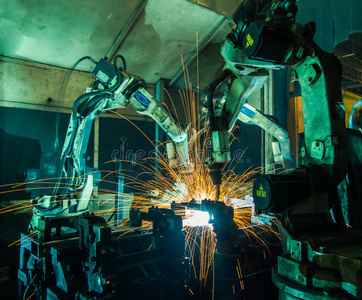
[(219, 136)]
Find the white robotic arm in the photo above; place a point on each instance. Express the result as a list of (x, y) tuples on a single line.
[(250, 115), (113, 89), (144, 103)]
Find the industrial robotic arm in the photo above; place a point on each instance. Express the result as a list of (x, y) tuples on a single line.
[(264, 38), (320, 256), (114, 88)]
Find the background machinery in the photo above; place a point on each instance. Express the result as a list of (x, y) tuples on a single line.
[(320, 256)]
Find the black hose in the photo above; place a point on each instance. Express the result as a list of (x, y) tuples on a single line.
[(75, 121), (75, 111), (84, 58), (123, 61), (61, 97), (86, 109), (118, 74)]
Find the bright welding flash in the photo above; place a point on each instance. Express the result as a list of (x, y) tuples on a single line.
[(196, 218)]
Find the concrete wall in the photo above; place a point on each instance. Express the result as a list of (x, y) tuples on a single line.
[(38, 86)]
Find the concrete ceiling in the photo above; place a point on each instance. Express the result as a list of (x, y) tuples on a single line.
[(152, 35)]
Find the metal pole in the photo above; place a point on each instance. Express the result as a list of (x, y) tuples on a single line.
[(96, 150), (120, 192), (160, 96), (268, 109)]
